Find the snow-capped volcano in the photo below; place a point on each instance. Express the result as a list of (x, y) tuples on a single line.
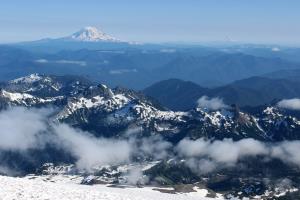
[(91, 34)]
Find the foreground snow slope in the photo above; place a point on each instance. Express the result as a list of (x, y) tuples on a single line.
[(25, 188)]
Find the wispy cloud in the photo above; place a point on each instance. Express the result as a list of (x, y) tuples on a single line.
[(75, 62), (168, 50), (67, 62), (34, 131), (90, 151), (275, 49), (22, 130), (122, 71), (41, 61), (211, 104), (291, 104), (204, 156), (25, 129)]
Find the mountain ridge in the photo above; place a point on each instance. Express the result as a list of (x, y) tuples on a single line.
[(253, 91), (97, 108), (169, 148)]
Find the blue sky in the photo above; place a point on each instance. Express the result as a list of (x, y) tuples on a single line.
[(257, 21)]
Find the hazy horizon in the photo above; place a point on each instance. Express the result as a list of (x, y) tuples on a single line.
[(168, 21)]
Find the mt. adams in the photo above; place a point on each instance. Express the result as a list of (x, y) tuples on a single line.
[(86, 38), (90, 34)]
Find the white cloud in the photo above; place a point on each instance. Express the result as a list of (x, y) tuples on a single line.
[(275, 49), (211, 104), (75, 62), (168, 50), (122, 71), (228, 151), (154, 146), (291, 104), (41, 61), (90, 151), (135, 176), (204, 156), (22, 129), (287, 151), (222, 151)]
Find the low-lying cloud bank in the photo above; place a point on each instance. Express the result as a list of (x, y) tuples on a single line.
[(205, 156), (25, 129), (91, 151), (291, 104), (211, 104)]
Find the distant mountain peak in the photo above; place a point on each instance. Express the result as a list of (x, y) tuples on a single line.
[(91, 34), (28, 79)]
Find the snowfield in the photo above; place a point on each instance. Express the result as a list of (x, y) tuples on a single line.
[(60, 189)]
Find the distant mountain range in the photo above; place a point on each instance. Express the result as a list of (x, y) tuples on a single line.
[(182, 95), (135, 66), (92, 53), (221, 68)]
